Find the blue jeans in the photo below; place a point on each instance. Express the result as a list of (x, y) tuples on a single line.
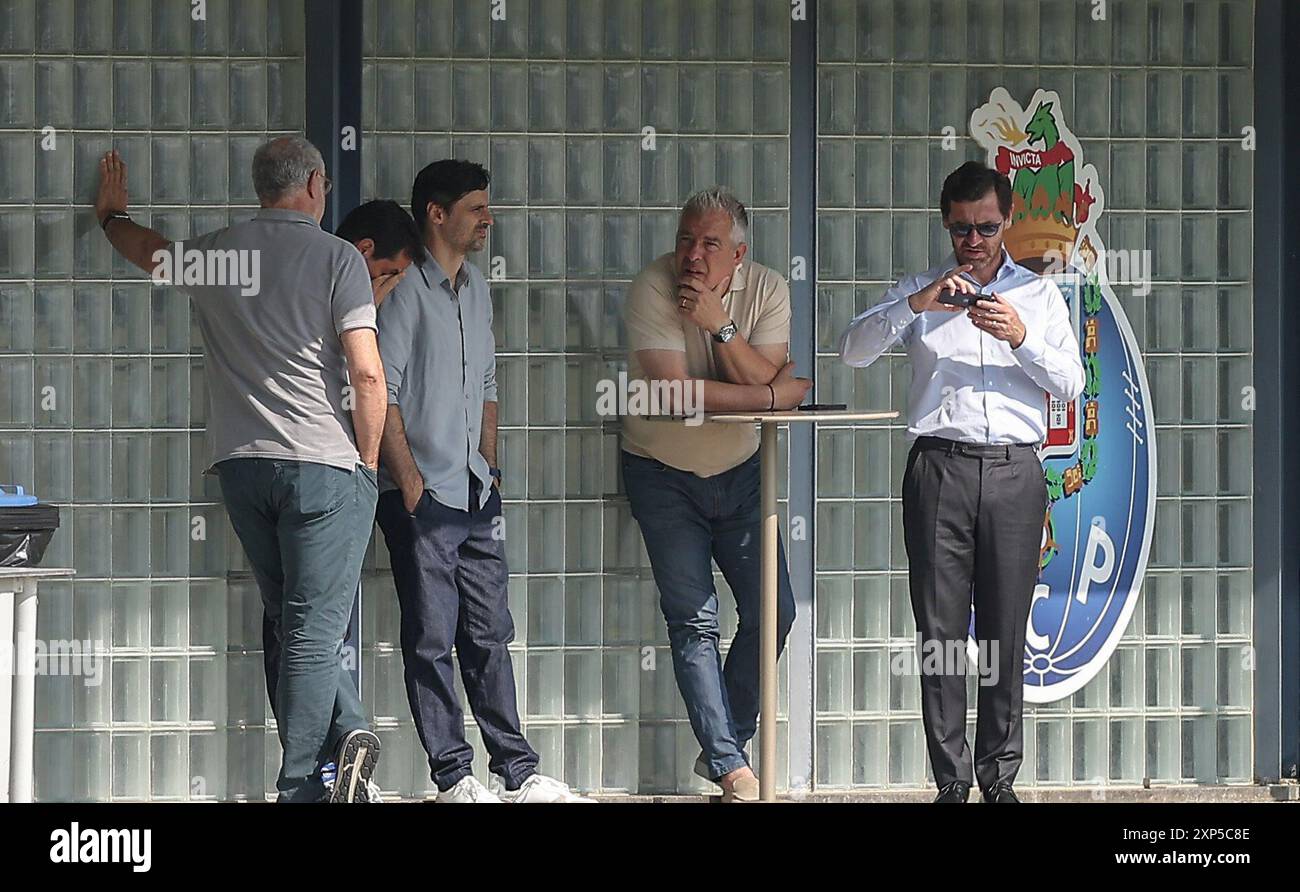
[(304, 528), (449, 568), (687, 523)]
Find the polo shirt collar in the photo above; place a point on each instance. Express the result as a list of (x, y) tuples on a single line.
[(285, 215), (740, 278)]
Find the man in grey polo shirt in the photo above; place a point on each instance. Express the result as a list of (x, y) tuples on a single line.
[(440, 508), (297, 398), (389, 242)]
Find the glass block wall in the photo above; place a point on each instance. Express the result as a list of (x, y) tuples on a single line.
[(102, 396), (1159, 93), (597, 118)]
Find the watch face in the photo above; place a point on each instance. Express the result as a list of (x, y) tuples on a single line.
[(726, 333)]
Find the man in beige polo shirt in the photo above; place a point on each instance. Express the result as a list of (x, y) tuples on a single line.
[(710, 320)]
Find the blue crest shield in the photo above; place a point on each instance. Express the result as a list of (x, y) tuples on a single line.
[(1100, 455)]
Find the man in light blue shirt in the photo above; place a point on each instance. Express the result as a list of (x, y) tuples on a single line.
[(988, 341), (440, 506)]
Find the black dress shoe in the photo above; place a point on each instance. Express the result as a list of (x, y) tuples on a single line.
[(1001, 793), (954, 791)]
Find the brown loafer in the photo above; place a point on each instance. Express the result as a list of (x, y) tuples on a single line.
[(745, 789)]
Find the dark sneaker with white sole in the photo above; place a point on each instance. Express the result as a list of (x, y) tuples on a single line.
[(355, 762)]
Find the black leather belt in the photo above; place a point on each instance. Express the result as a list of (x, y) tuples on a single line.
[(974, 450)]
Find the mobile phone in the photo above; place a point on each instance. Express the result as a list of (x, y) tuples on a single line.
[(958, 299), (824, 407)]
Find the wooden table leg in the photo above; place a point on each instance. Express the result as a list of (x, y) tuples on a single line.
[(767, 620)]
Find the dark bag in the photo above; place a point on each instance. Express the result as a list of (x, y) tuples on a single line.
[(26, 527)]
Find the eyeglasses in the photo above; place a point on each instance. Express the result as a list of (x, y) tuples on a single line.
[(329, 184), (963, 230)]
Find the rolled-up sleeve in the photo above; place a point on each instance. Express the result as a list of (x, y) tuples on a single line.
[(489, 359), (396, 335), (353, 300)]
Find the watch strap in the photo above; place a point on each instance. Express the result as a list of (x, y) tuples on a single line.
[(115, 215)]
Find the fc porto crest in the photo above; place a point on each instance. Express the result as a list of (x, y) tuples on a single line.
[(1100, 454)]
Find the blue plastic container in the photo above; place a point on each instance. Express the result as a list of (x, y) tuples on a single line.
[(14, 496)]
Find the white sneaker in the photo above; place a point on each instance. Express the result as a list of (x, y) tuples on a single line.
[(467, 790), (540, 788)]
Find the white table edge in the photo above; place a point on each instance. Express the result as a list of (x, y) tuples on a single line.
[(785, 417), (36, 572)]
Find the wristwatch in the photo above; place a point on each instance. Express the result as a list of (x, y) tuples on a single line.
[(115, 215), (726, 333)]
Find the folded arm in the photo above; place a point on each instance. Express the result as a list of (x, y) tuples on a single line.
[(739, 362), (784, 391)]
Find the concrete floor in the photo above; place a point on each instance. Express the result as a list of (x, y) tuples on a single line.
[(1287, 792)]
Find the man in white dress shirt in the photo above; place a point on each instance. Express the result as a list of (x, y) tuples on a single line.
[(974, 497)]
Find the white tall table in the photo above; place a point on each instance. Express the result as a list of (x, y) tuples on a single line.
[(768, 423), (18, 677)]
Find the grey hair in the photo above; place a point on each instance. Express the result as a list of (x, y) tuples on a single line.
[(283, 165), (719, 198)]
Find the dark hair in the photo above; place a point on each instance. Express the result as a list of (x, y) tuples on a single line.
[(971, 182), (387, 224), (444, 183)]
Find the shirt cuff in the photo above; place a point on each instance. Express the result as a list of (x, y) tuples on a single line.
[(354, 324), (1031, 349), (900, 315), (678, 346)]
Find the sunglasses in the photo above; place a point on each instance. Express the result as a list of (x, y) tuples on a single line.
[(986, 230)]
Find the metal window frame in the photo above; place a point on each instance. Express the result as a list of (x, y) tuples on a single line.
[(802, 438), (333, 95), (1277, 381), (333, 67)]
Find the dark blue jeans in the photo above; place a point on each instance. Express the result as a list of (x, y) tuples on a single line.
[(449, 568), (304, 528), (688, 522)]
